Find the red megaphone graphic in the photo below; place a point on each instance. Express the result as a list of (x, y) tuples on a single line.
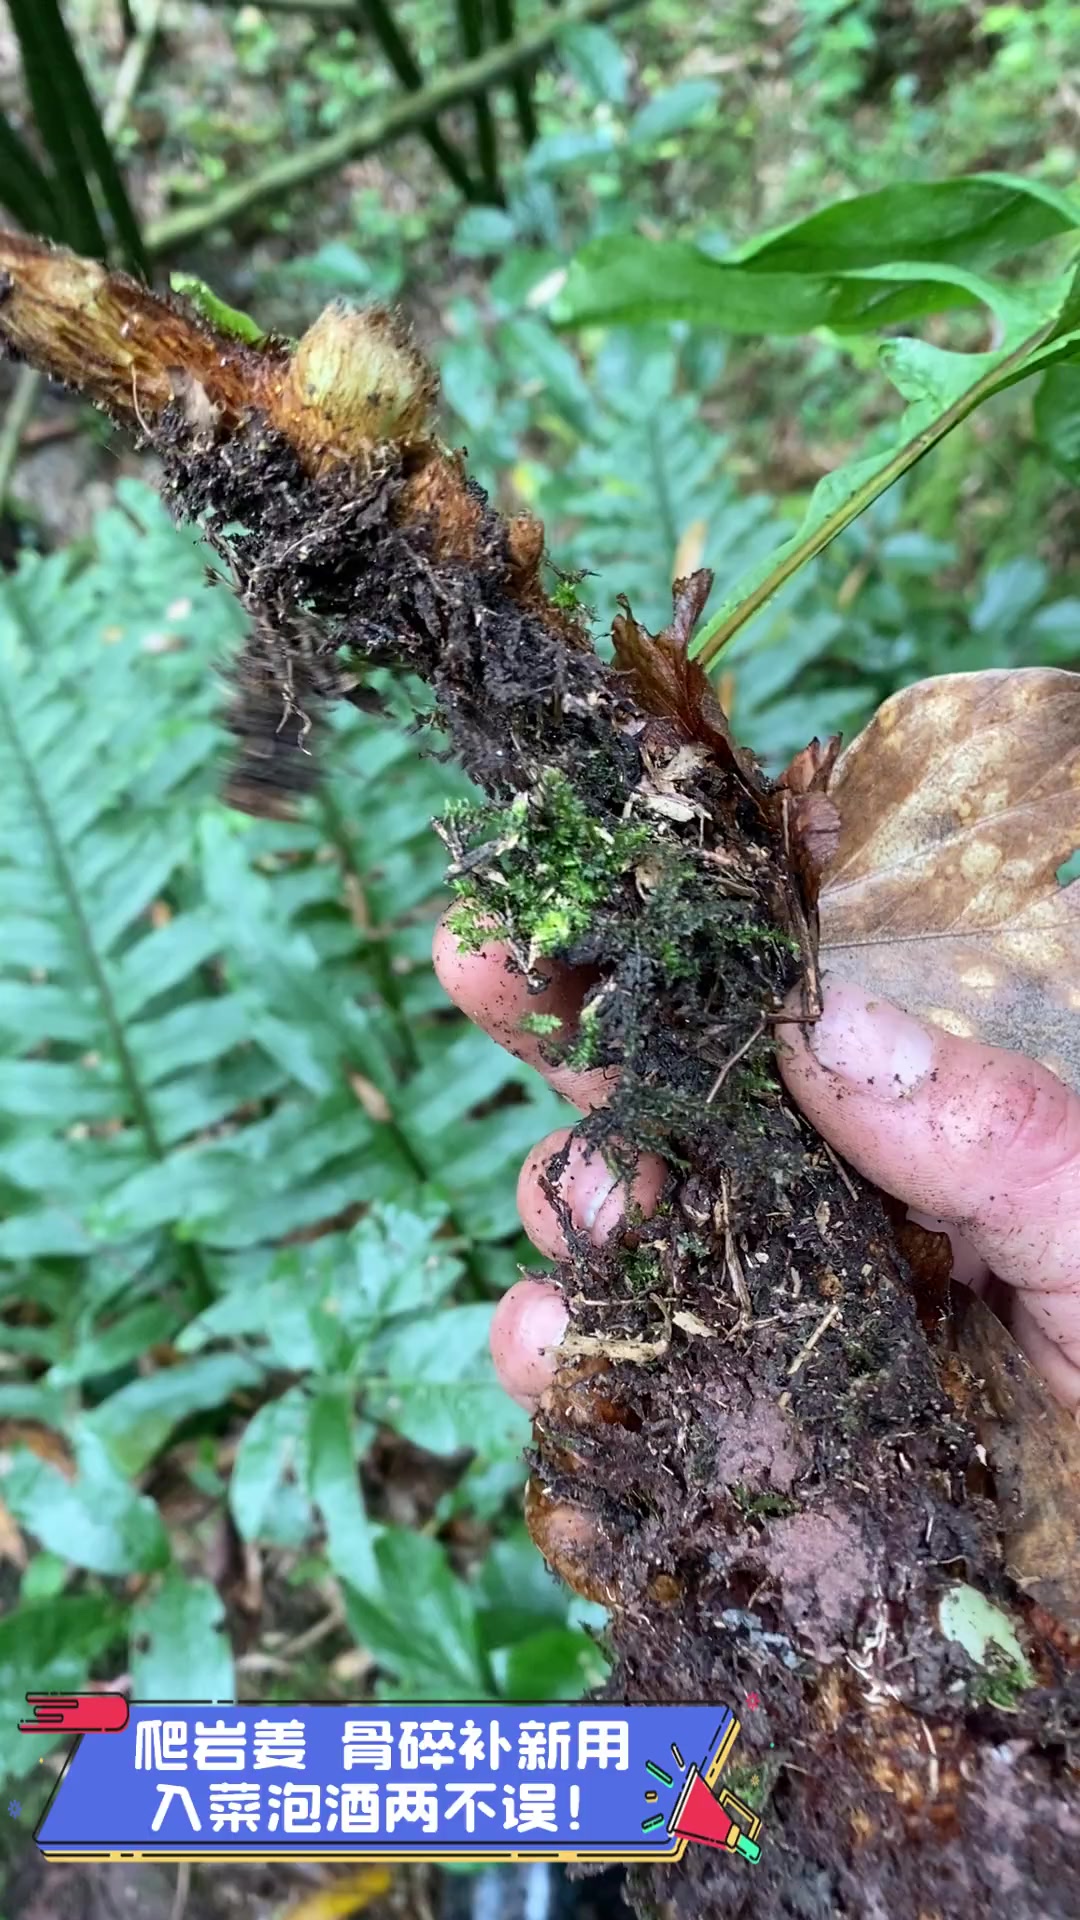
[(700, 1815)]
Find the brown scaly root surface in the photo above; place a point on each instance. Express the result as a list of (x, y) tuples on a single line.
[(755, 1454)]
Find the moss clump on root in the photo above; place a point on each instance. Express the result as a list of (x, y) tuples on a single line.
[(753, 1453)]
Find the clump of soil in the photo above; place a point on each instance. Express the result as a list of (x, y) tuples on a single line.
[(755, 1453)]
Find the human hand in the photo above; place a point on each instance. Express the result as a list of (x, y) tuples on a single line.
[(977, 1141)]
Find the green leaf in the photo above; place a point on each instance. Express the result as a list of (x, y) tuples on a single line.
[(267, 1487), (628, 280), (483, 230), (178, 1648), (975, 221), (338, 268), (124, 1340), (97, 1520), (228, 320), (517, 1594), (440, 1389), (670, 111), (555, 1664), (316, 1306), (1009, 594), (422, 1628), (334, 1485), (865, 263), (397, 1265), (597, 63), (1056, 413), (49, 1645), (943, 388), (537, 355), (135, 1422)]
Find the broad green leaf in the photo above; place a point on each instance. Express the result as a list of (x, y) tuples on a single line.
[(536, 354), (555, 1664), (571, 147), (123, 1341), (334, 1485), (670, 111), (46, 1576), (97, 1520), (178, 1648), (32, 1402), (440, 1389), (596, 61), (397, 1266), (338, 268), (267, 1487), (422, 1626), (1057, 417), (49, 1645), (483, 230), (187, 1036), (869, 262), (627, 280), (974, 221), (135, 1422), (517, 1594), (1010, 592), (283, 1303)]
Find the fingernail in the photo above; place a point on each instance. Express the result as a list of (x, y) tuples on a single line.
[(588, 1190), (871, 1044)]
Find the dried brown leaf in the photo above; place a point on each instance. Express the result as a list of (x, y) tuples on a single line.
[(1033, 1446), (810, 770), (958, 804), (665, 680)]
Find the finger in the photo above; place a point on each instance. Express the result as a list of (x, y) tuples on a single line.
[(596, 1198), (494, 995), (982, 1137), (526, 1328)]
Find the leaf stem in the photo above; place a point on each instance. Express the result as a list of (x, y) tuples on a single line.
[(715, 635)]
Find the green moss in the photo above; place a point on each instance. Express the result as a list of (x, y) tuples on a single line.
[(641, 1269), (552, 867), (541, 1024), (757, 1081), (565, 594), (1001, 1686), (752, 933), (584, 1050), (775, 1504)]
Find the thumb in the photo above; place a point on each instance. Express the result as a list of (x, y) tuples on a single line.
[(983, 1137)]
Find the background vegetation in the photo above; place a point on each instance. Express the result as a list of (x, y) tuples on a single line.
[(256, 1177)]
